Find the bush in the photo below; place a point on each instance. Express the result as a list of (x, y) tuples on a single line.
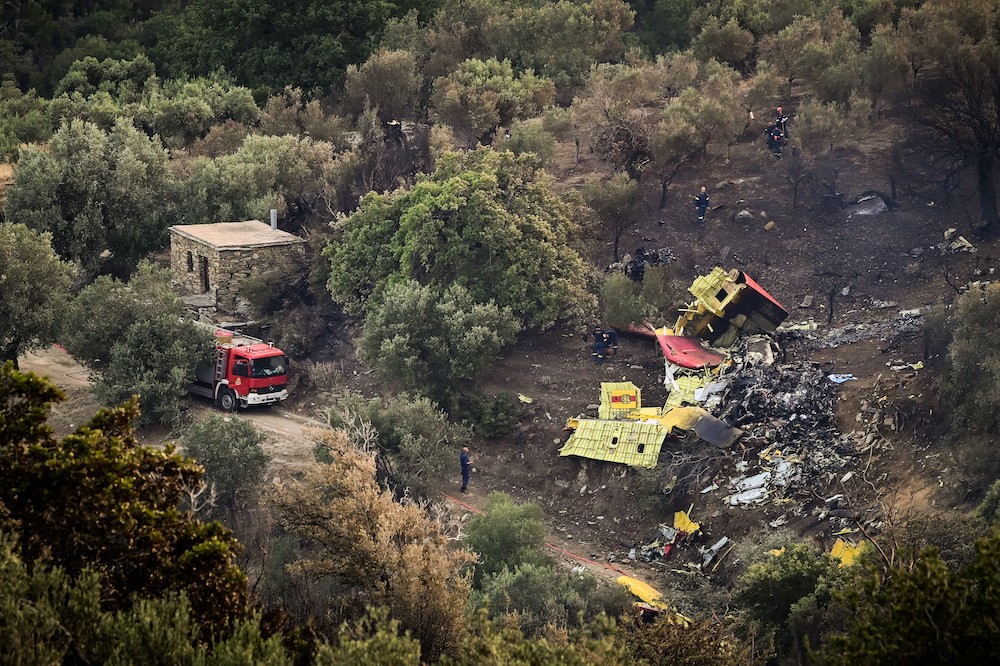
[(430, 342), (969, 384), (989, 508), (155, 359), (623, 304), (769, 588), (491, 416), (231, 450), (412, 431), (505, 536), (543, 595), (531, 137)]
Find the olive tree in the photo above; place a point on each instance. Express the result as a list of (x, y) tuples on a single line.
[(34, 284)]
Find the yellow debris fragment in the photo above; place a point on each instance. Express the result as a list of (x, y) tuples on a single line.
[(525, 399), (683, 523), (846, 552), (777, 552)]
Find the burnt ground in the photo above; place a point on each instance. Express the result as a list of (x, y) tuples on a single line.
[(594, 509), (815, 249)]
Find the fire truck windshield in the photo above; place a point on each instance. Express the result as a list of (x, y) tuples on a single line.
[(268, 367)]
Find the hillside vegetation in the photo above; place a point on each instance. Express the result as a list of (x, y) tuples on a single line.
[(465, 171)]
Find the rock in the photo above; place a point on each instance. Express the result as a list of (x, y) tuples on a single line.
[(744, 214), (807, 301), (870, 205), (770, 225), (845, 291), (557, 441)]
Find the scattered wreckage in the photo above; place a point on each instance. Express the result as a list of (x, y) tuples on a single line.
[(729, 382)]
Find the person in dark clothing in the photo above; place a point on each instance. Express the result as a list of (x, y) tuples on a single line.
[(774, 139), (611, 341), (781, 122), (466, 468), (701, 205), (599, 349)]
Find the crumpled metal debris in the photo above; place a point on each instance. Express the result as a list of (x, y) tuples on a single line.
[(634, 266)]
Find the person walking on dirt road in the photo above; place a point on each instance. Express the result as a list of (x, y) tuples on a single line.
[(466, 468)]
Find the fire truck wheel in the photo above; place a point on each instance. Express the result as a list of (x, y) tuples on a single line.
[(227, 400)]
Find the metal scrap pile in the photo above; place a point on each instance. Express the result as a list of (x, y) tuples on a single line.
[(787, 414)]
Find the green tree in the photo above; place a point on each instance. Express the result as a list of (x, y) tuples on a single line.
[(787, 49), (23, 118), (486, 221), (559, 40), (506, 535), (615, 201), (155, 359), (883, 66), (34, 286), (388, 81), (481, 95), (968, 384), (431, 342), (282, 172), (663, 24), (140, 344), (90, 338), (266, 45), (541, 596), (728, 42), (674, 142), (924, 613), (411, 430), (769, 588), (98, 499), (231, 450), (104, 197), (292, 112), (612, 112)]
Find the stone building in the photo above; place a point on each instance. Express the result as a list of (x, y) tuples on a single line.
[(210, 262)]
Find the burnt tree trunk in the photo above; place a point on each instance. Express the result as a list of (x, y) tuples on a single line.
[(987, 193), (663, 194)]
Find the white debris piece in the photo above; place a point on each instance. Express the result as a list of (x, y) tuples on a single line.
[(748, 496)]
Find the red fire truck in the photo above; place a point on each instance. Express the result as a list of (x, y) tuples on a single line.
[(247, 371)]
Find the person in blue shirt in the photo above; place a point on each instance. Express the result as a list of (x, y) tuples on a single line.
[(466, 468)]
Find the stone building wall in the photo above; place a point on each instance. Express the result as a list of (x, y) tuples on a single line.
[(228, 268), (186, 262), (236, 265)]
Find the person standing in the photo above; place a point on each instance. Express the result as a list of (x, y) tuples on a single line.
[(701, 205), (781, 122), (466, 468)]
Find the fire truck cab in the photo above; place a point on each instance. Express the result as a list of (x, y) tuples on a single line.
[(246, 372)]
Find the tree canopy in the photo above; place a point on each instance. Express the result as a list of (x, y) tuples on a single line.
[(97, 499), (34, 285), (94, 192), (484, 220)]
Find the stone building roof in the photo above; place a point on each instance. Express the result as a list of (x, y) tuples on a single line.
[(236, 235)]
